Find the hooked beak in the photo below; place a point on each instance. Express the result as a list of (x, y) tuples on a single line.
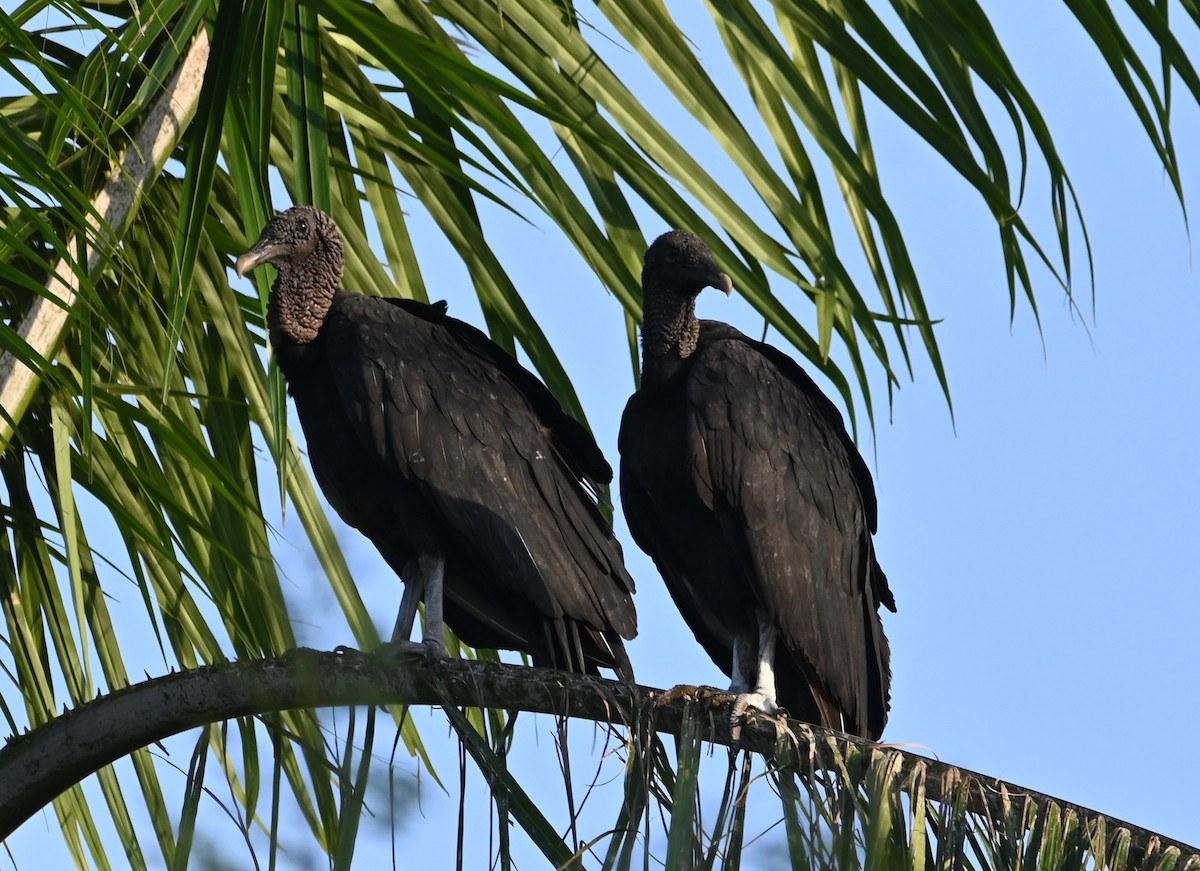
[(723, 283), (256, 256)]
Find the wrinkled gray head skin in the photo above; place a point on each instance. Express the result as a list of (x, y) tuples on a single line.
[(293, 236), (682, 262), (305, 246), (678, 266)]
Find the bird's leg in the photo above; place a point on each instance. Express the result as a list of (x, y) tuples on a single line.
[(763, 696), (768, 633), (414, 587), (434, 569), (744, 659), (423, 579)]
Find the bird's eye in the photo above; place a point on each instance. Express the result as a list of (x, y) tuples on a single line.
[(303, 226)]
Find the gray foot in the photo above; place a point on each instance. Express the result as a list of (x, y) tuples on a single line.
[(427, 647), (745, 701)]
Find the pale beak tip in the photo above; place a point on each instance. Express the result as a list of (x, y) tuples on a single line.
[(243, 265)]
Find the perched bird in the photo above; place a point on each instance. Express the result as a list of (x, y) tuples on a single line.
[(738, 477), (455, 461)]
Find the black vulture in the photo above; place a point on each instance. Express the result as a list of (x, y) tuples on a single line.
[(454, 460), (738, 477)]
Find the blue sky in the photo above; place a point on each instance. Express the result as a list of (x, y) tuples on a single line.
[(1040, 547)]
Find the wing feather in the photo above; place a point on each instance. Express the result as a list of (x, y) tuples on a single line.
[(570, 437), (440, 405), (773, 457)]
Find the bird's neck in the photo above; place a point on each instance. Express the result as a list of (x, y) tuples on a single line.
[(300, 299), (670, 330)]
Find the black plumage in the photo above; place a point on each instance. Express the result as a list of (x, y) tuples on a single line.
[(455, 461), (738, 477)]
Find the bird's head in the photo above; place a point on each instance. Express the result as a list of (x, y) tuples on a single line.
[(680, 261), (304, 245), (300, 234)]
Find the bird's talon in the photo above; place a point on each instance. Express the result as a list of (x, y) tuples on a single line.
[(428, 648), (758, 701)]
